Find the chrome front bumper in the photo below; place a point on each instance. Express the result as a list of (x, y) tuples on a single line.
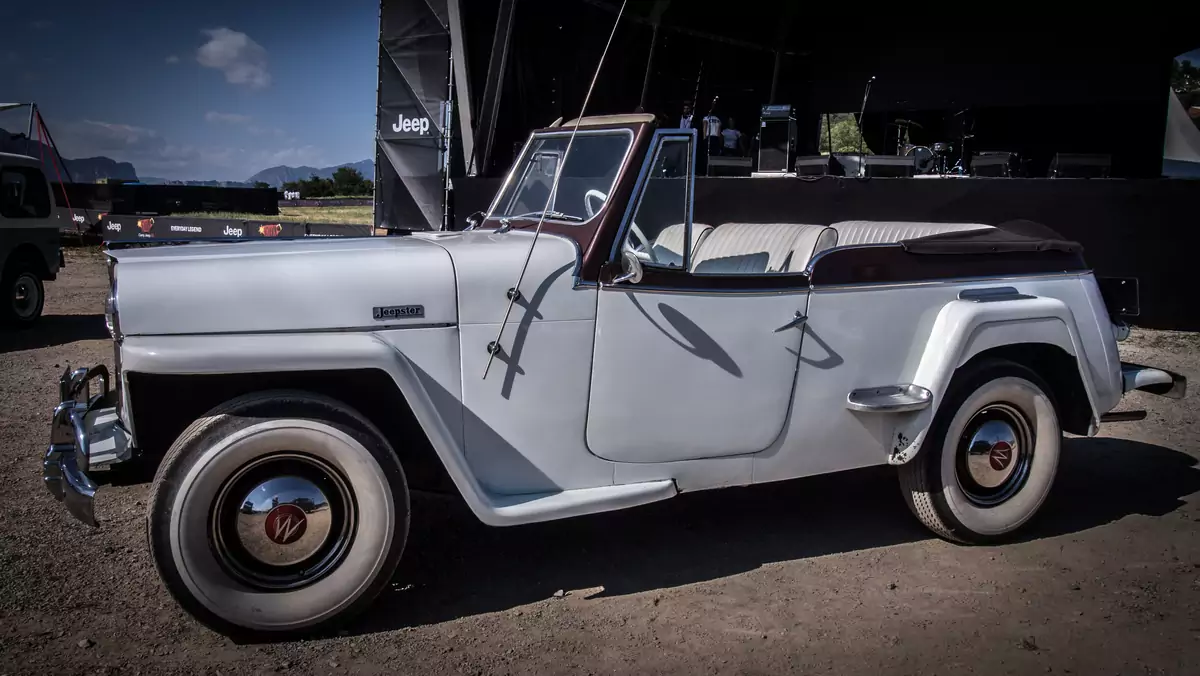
[(85, 433), (1155, 381)]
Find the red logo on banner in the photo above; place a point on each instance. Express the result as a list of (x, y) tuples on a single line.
[(270, 229), (145, 224)]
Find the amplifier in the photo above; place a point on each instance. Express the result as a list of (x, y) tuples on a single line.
[(776, 144), (891, 166), (995, 164), (1077, 165), (815, 165), (851, 163), (777, 112)]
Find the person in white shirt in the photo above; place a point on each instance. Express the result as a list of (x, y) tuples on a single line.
[(685, 120), (731, 139)]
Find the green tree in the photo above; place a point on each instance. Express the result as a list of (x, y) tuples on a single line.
[(1185, 78), (844, 131), (261, 184)]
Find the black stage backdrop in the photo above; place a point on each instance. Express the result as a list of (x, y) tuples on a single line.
[(1128, 228), (414, 71)]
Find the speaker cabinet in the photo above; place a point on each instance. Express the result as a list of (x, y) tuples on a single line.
[(889, 166), (776, 145), (1077, 165), (993, 164)]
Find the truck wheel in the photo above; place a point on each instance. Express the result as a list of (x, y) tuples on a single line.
[(278, 514), (24, 295), (990, 457)]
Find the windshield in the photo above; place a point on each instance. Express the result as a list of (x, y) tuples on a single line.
[(587, 179)]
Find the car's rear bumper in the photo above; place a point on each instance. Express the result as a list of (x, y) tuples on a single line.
[(85, 433), (1155, 381)]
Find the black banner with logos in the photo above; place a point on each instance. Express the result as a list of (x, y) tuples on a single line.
[(414, 80), (146, 229)]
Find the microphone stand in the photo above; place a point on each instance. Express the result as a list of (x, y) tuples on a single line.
[(862, 111), (704, 126)]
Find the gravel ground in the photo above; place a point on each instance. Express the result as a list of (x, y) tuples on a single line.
[(822, 575)]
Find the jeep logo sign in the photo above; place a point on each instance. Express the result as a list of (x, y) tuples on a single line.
[(232, 232), (419, 125)]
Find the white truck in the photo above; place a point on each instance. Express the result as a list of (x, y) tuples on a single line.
[(30, 251), (291, 392)]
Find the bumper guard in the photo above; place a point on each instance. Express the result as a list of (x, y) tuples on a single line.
[(85, 433)]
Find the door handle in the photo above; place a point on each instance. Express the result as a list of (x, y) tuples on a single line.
[(798, 320)]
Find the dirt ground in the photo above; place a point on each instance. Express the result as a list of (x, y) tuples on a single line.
[(822, 575)]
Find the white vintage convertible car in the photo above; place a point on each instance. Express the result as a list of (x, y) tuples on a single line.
[(590, 352)]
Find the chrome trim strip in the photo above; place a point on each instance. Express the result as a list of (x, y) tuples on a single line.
[(948, 280), (640, 185), (559, 134), (349, 329), (705, 291)]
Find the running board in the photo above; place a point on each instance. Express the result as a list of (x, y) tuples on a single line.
[(889, 399), (1122, 416), (512, 510)]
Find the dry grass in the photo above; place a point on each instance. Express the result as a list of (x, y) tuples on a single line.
[(347, 215)]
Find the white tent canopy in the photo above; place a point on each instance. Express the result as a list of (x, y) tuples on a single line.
[(10, 106)]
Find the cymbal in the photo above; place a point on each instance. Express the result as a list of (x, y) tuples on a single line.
[(901, 123)]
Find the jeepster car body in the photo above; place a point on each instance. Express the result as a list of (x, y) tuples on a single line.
[(645, 354)]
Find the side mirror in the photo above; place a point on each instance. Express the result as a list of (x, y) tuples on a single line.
[(631, 267), (474, 220)]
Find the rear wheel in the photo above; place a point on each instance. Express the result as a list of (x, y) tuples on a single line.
[(24, 295), (278, 514), (990, 457)]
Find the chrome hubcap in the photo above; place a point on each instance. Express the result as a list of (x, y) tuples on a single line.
[(993, 455), (25, 296), (283, 521)]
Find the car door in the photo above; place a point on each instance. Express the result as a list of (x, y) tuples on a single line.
[(688, 365)]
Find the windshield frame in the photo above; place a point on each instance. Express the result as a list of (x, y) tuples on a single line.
[(511, 176)]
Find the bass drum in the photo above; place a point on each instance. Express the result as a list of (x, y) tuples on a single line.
[(923, 158)]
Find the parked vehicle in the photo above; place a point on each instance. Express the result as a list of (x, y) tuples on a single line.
[(290, 391), (30, 252)]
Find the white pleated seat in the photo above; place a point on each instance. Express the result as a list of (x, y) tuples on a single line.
[(889, 232), (760, 248)]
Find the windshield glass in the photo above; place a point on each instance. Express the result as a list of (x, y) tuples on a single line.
[(588, 177)]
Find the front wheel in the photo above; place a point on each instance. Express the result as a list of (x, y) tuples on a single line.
[(278, 514), (990, 457)]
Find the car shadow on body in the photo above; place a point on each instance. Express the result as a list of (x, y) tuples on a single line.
[(51, 330), (454, 566)]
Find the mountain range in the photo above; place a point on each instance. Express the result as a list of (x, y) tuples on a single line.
[(277, 176), (93, 169), (83, 170)]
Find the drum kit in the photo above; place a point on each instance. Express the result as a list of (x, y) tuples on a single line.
[(933, 159)]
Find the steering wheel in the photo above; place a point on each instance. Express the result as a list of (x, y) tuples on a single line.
[(646, 247), (587, 201)]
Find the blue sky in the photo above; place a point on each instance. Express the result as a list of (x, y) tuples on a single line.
[(184, 90)]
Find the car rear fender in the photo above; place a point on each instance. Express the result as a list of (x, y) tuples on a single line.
[(966, 328)]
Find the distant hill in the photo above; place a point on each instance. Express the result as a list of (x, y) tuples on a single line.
[(277, 176), (84, 170)]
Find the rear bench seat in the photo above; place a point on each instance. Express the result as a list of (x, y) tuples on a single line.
[(890, 232), (765, 248), (759, 248)]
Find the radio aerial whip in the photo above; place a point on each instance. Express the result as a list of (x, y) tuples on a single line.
[(515, 292)]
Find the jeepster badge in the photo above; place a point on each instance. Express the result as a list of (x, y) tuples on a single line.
[(285, 524), (400, 312)]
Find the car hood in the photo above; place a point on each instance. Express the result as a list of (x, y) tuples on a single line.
[(284, 286)]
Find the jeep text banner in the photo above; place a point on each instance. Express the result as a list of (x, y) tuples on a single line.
[(146, 229)]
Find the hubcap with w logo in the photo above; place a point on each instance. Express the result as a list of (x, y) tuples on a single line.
[(283, 521)]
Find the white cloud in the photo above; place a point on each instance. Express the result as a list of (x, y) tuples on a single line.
[(295, 156), (172, 59), (227, 118), (242, 60)]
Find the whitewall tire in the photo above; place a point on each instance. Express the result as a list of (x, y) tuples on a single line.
[(990, 457), (278, 514)]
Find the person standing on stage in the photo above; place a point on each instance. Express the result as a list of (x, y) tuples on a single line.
[(686, 120), (712, 134), (732, 141)]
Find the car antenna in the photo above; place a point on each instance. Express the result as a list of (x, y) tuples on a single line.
[(515, 292)]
